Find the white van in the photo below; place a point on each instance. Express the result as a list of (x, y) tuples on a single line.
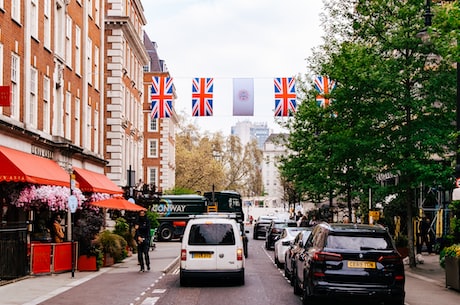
[(212, 248)]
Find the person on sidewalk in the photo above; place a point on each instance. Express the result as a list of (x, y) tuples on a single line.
[(425, 236), (142, 237), (56, 230)]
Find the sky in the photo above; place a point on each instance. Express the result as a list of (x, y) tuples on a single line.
[(226, 39)]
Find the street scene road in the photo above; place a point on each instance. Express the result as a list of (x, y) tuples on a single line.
[(265, 284)]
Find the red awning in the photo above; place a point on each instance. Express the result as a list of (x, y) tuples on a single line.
[(118, 203), (18, 166), (94, 182)]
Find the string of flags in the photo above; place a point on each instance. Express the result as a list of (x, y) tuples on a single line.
[(285, 96)]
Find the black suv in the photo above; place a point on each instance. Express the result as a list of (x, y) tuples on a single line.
[(350, 261), (261, 225)]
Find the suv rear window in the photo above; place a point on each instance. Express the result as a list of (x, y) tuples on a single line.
[(211, 234), (358, 242)]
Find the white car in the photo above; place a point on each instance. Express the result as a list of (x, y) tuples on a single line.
[(212, 249), (282, 244)]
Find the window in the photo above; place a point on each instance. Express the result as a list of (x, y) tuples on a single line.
[(1, 4), (77, 122), (152, 148), (15, 85), (59, 37), (16, 10), (89, 60), (77, 50), (68, 103), (152, 174), (33, 97), (88, 127), (47, 24), (97, 17), (153, 124), (46, 104), (211, 234), (96, 132), (96, 68), (68, 41), (34, 19)]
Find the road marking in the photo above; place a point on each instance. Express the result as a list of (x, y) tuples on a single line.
[(150, 301), (159, 291)]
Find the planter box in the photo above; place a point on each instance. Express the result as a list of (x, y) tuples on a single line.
[(108, 260), (453, 272), (87, 263)]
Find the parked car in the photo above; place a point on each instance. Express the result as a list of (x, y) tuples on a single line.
[(283, 243), (295, 247), (212, 248), (350, 262), (261, 225), (274, 230)]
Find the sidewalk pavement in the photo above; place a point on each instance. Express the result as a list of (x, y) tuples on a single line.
[(430, 270), (32, 290)]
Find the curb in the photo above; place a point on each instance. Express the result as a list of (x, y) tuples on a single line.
[(424, 278), (171, 265)]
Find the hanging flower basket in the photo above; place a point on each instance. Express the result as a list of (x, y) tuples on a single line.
[(55, 198)]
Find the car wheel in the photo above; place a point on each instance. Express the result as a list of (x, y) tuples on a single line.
[(183, 282), (396, 301), (166, 233), (307, 297), (295, 283)]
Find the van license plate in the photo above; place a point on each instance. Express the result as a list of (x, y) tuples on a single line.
[(201, 255), (361, 264)]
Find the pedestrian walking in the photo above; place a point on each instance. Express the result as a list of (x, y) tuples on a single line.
[(142, 238), (425, 236)]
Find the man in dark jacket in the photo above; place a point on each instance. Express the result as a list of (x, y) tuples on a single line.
[(142, 238)]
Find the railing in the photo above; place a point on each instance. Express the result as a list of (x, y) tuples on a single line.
[(13, 253)]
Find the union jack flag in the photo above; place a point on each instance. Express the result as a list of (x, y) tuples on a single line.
[(324, 85), (162, 97), (285, 96), (202, 90)]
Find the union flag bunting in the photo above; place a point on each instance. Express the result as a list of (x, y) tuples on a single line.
[(162, 97), (202, 96), (285, 96), (324, 85)]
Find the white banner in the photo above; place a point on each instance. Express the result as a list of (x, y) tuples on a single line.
[(243, 96)]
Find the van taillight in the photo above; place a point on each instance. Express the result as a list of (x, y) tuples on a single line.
[(239, 254), (183, 255), (327, 256)]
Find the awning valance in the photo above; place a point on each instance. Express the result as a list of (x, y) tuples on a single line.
[(94, 182), (118, 203), (18, 166)]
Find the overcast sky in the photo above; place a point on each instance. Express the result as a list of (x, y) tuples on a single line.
[(226, 39)]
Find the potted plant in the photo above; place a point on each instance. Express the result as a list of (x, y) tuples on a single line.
[(113, 246), (450, 261), (87, 225)]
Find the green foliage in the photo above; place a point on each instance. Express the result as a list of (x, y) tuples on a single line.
[(87, 225), (451, 251), (153, 217), (122, 229), (112, 244)]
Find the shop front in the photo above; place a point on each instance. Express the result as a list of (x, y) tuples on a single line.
[(33, 191)]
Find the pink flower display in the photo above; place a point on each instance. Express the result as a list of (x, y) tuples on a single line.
[(55, 198)]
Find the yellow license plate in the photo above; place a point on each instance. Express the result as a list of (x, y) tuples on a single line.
[(361, 264), (201, 255)]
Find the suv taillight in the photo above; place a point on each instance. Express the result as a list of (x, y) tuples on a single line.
[(183, 255), (239, 254), (327, 256), (390, 259)]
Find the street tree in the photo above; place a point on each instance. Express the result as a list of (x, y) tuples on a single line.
[(392, 109)]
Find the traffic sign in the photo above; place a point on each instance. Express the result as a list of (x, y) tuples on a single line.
[(72, 203)]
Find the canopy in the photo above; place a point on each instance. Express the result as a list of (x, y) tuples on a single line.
[(18, 166), (118, 203), (90, 181)]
